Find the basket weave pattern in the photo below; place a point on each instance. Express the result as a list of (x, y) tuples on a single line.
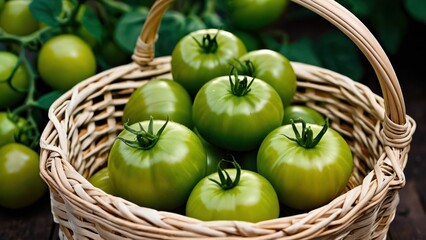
[(85, 121)]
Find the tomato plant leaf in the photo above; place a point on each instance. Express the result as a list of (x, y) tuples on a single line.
[(193, 23), (417, 9), (128, 29), (172, 29), (46, 100), (46, 11), (213, 20), (390, 24), (92, 24), (338, 53), (301, 50)]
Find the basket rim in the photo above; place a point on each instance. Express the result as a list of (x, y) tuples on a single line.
[(346, 201)]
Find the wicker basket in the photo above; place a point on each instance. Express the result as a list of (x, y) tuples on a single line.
[(85, 120)]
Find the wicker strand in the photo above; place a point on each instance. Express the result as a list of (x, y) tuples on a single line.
[(144, 50)]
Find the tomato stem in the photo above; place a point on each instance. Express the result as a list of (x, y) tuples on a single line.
[(306, 139), (144, 139), (245, 68), (239, 87), (226, 182), (209, 43)]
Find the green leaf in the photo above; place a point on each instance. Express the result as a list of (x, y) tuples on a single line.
[(389, 24), (128, 29), (45, 101), (213, 20), (46, 11), (301, 50), (417, 9), (193, 23), (338, 53), (92, 24), (172, 29)]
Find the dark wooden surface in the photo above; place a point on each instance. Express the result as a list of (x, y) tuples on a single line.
[(36, 222)]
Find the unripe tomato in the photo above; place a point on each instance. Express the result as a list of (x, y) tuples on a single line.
[(161, 99), (255, 14), (9, 127), (102, 181), (20, 181), (8, 95), (64, 61), (16, 18), (308, 114)]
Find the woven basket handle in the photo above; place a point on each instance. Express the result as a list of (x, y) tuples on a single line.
[(335, 14)]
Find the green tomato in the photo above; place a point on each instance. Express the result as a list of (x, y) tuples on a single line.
[(249, 197), (9, 96), (236, 118), (161, 99), (79, 29), (308, 114), (16, 18), (203, 55), (83, 32), (255, 14), (305, 175), (67, 7), (64, 61), (21, 184), (101, 180), (10, 127), (156, 170), (273, 68)]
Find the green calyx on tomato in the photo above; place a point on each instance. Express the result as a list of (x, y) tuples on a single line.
[(208, 44), (233, 194), (303, 175), (144, 139), (236, 122), (245, 67), (198, 57), (271, 67), (226, 182), (306, 139), (240, 87), (162, 176)]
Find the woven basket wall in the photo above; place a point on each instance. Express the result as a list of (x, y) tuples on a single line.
[(85, 121)]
